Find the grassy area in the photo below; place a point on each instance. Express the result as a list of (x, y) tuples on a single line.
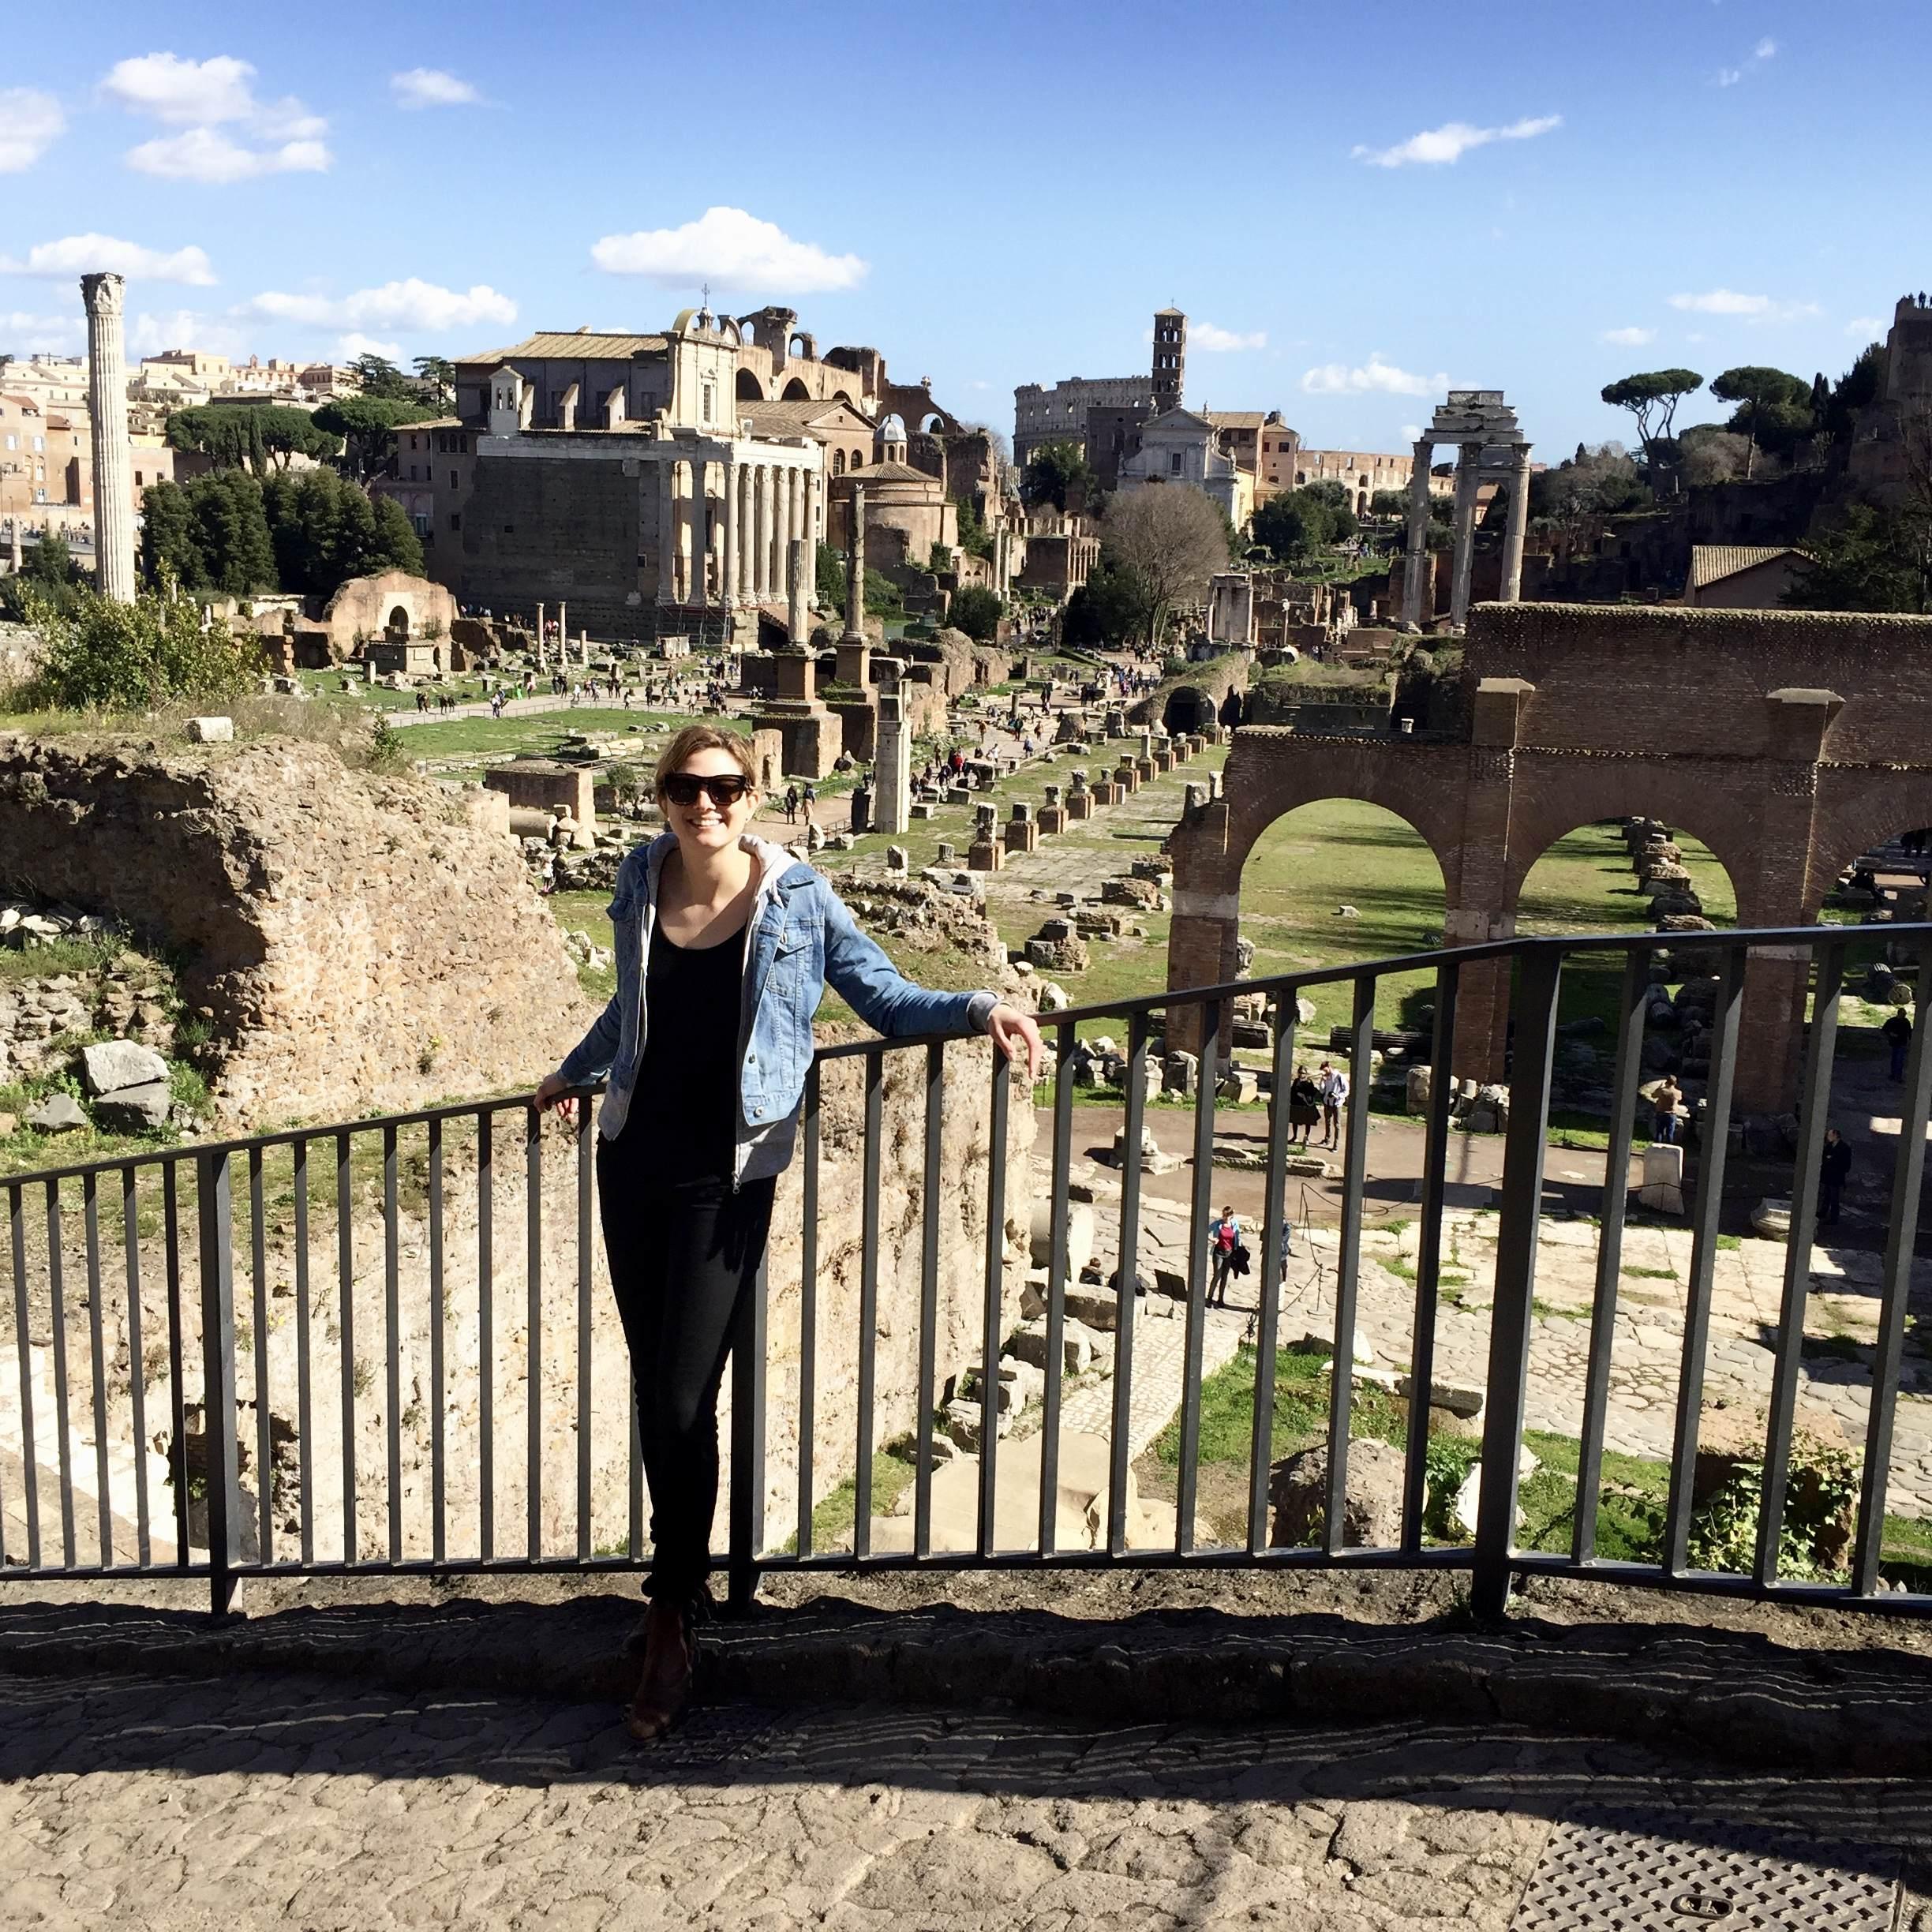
[(539, 734)]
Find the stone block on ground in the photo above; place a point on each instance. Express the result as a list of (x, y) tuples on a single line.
[(136, 1109), (1772, 1218), (110, 1065), (1662, 1187), (1457, 1398), (1468, 1504), (1371, 1519), (210, 730), (1079, 1235), (57, 1114)]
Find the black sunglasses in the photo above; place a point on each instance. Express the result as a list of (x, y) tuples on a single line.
[(724, 791)]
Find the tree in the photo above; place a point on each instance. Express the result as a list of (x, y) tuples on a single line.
[(1109, 609), (259, 436), (105, 656), (231, 529), (1295, 524), (48, 575), (975, 539), (1874, 560), (1602, 481), (1052, 471), (1653, 397), (367, 425), (1171, 539), (379, 379), (1709, 453), (976, 611), (171, 540), (437, 375), (1755, 388), (831, 579), (1858, 387), (1388, 504), (325, 531)]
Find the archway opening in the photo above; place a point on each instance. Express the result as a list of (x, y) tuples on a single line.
[(1189, 709), (749, 388), (398, 625), (1337, 881), (795, 392)]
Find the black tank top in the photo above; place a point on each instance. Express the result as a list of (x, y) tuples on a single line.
[(684, 1110)]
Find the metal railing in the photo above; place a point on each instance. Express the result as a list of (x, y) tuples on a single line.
[(404, 1455)]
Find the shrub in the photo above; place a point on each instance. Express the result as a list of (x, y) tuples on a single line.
[(976, 611), (99, 655)]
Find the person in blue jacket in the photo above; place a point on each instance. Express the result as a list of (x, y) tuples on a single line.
[(725, 945)]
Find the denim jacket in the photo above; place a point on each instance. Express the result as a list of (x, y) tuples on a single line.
[(799, 936)]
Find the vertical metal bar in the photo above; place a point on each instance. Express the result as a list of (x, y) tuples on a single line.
[(868, 1303), (1516, 1276), (808, 1313), (1901, 1239), (1631, 1001), (1201, 1206), (532, 1320), (636, 1525), (1275, 1222), (1428, 1257), (486, 1338), (392, 1351), (56, 1297), (258, 1263), (1348, 1262), (177, 1397), (305, 1399), (749, 1337), (1126, 1278), (929, 1300), (217, 1377), (1064, 1042), (1820, 1047), (345, 1317), (30, 1480), (1713, 1141), (586, 1256), (438, 1492), (97, 1345), (991, 1316), (137, 1372)]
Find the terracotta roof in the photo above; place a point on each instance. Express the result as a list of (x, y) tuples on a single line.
[(893, 472), (564, 344), (788, 418), (1712, 563), (1235, 419)]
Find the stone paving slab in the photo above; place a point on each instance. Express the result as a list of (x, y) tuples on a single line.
[(297, 1802)]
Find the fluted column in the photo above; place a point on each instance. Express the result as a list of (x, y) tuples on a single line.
[(811, 535), (748, 533), (1512, 536), (768, 534), (666, 531), (733, 472), (562, 637), (1468, 478), (1418, 532), (114, 484), (701, 534), (542, 662), (854, 571)]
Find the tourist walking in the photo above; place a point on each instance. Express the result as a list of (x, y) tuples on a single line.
[(791, 804), (1304, 1107), (1898, 1031), (1833, 1166), (1333, 1088), (1223, 1238), (1665, 1106), (707, 1043)]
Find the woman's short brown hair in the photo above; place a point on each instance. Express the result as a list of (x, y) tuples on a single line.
[(695, 738)]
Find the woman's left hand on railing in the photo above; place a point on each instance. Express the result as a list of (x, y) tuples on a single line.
[(554, 1091), (1015, 1033)]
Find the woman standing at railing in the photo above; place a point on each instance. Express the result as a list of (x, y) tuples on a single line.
[(725, 945)]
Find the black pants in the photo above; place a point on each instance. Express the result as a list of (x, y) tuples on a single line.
[(1829, 1192), (683, 1256)]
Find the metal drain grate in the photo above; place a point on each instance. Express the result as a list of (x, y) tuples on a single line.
[(1688, 1872)]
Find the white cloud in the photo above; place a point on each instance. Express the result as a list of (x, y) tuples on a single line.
[(431, 87), (1412, 432), (1729, 76), (730, 249), (199, 97), (1340, 379), (152, 331), (355, 344), (1216, 341), (1869, 327), (1725, 301), (30, 123), (412, 306), (1435, 146), (75, 255), (22, 334), (1630, 338), (1765, 50)]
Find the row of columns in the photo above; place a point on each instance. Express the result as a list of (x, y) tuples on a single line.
[(732, 548), (1468, 481)]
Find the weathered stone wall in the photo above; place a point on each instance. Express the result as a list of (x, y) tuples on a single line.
[(352, 942)]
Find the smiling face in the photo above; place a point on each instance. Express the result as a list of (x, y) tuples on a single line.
[(705, 825)]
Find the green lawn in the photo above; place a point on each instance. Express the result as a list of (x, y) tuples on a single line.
[(540, 733)]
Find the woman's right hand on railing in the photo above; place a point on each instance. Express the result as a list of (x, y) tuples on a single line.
[(554, 1091)]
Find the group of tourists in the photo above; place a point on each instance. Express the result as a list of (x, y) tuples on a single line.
[(1315, 1100)]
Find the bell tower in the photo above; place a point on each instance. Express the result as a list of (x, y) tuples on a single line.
[(1169, 359)]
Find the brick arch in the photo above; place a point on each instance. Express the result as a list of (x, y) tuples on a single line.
[(1856, 811)]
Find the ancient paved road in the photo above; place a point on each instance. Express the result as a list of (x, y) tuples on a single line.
[(297, 1803)]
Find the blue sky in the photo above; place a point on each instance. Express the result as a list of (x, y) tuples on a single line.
[(1001, 193)]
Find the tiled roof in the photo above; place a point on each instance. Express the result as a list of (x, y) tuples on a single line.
[(787, 418), (1235, 419), (564, 343), (1712, 563), (893, 472)]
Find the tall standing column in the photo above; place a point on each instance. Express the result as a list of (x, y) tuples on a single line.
[(811, 534), (701, 533), (772, 563), (761, 533), (667, 530), (542, 662), (1418, 532), (562, 637), (1512, 536), (114, 484), (1468, 478), (798, 616), (733, 472), (747, 534), (854, 571)]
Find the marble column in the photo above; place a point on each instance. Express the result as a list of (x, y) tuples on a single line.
[(562, 636), (542, 662), (733, 472), (1513, 535), (798, 614), (774, 534), (666, 531), (700, 590), (811, 534), (1418, 566), (855, 570), (892, 765), (114, 482), (747, 534), (1468, 479), (761, 525)]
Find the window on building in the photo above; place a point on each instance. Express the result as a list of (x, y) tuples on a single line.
[(1173, 462), (707, 402), (453, 485), (421, 523), (455, 520)]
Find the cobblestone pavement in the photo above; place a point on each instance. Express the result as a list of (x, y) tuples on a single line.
[(297, 1803)]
